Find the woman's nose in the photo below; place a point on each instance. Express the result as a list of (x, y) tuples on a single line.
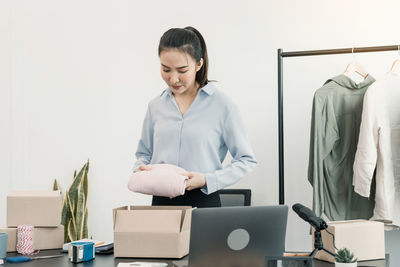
[(174, 78)]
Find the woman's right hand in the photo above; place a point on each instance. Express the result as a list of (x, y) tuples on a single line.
[(142, 168)]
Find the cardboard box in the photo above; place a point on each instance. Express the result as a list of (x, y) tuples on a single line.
[(37, 208), (43, 237), (152, 231), (366, 239)]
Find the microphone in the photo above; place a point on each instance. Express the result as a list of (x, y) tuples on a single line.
[(309, 216)]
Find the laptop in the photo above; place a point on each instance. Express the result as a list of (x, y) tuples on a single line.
[(237, 236)]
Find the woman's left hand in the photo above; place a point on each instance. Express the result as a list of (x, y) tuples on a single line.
[(196, 180)]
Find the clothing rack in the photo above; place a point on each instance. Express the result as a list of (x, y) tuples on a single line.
[(281, 56)]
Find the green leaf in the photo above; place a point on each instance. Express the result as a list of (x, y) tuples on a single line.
[(72, 212), (80, 214), (344, 256), (56, 186), (65, 214), (72, 232), (73, 191), (66, 239), (75, 212), (85, 182), (85, 227)]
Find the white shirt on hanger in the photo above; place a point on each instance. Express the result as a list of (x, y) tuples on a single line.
[(379, 146)]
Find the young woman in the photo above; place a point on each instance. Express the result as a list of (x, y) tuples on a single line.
[(192, 125)]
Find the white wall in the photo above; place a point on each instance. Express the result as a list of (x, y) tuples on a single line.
[(76, 77)]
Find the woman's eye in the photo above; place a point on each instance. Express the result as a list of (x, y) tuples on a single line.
[(183, 71), (166, 70)]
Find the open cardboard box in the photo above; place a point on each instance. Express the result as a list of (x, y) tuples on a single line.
[(43, 237), (366, 239), (37, 208), (152, 231)]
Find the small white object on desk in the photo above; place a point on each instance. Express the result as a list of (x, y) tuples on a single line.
[(143, 264), (1, 262), (97, 243)]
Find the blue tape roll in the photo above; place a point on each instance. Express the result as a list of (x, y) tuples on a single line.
[(82, 251)]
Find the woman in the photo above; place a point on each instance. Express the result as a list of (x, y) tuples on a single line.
[(192, 125)]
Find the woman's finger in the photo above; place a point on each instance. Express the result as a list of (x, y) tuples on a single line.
[(188, 185), (144, 167), (185, 174)]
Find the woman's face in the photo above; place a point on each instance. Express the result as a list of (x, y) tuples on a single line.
[(178, 70)]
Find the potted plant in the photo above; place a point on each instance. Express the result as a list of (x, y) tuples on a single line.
[(75, 212), (345, 258)]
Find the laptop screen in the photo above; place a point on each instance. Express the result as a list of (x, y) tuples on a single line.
[(237, 236)]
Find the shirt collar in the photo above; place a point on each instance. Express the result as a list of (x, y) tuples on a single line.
[(166, 91), (209, 89), (347, 82)]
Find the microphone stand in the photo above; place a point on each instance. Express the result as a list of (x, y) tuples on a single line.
[(318, 223), (318, 245)]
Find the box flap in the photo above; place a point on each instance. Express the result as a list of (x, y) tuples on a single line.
[(34, 193), (154, 221), (115, 213), (186, 219), (185, 224)]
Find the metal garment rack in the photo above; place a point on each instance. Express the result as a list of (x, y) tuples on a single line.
[(281, 56)]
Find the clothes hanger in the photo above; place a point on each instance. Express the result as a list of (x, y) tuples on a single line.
[(356, 67), (396, 64)]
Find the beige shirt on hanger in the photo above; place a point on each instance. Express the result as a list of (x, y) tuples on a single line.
[(379, 146)]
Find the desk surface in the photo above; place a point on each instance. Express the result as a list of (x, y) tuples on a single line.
[(100, 260), (109, 260)]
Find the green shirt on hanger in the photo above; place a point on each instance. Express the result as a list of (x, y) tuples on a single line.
[(335, 126)]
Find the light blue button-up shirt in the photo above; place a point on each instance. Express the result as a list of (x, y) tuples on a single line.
[(198, 140)]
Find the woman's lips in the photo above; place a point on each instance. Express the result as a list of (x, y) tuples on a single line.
[(176, 87)]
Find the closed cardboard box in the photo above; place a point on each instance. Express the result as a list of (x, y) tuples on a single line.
[(37, 208), (366, 239), (152, 231), (43, 237)]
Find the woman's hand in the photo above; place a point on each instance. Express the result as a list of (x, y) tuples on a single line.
[(142, 168), (196, 180)]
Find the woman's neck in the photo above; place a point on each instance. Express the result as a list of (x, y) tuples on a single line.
[(190, 93), (185, 100)]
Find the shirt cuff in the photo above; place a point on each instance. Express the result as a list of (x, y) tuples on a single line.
[(362, 188), (211, 184), (362, 177)]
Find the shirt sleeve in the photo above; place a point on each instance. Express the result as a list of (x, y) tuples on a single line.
[(243, 160), (144, 150), (324, 133), (366, 155)]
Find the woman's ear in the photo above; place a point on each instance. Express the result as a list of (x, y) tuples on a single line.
[(199, 64)]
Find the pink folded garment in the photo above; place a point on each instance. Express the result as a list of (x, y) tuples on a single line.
[(164, 180)]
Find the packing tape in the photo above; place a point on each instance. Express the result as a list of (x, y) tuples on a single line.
[(25, 240)]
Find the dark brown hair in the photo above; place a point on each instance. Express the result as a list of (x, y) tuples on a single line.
[(190, 41)]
